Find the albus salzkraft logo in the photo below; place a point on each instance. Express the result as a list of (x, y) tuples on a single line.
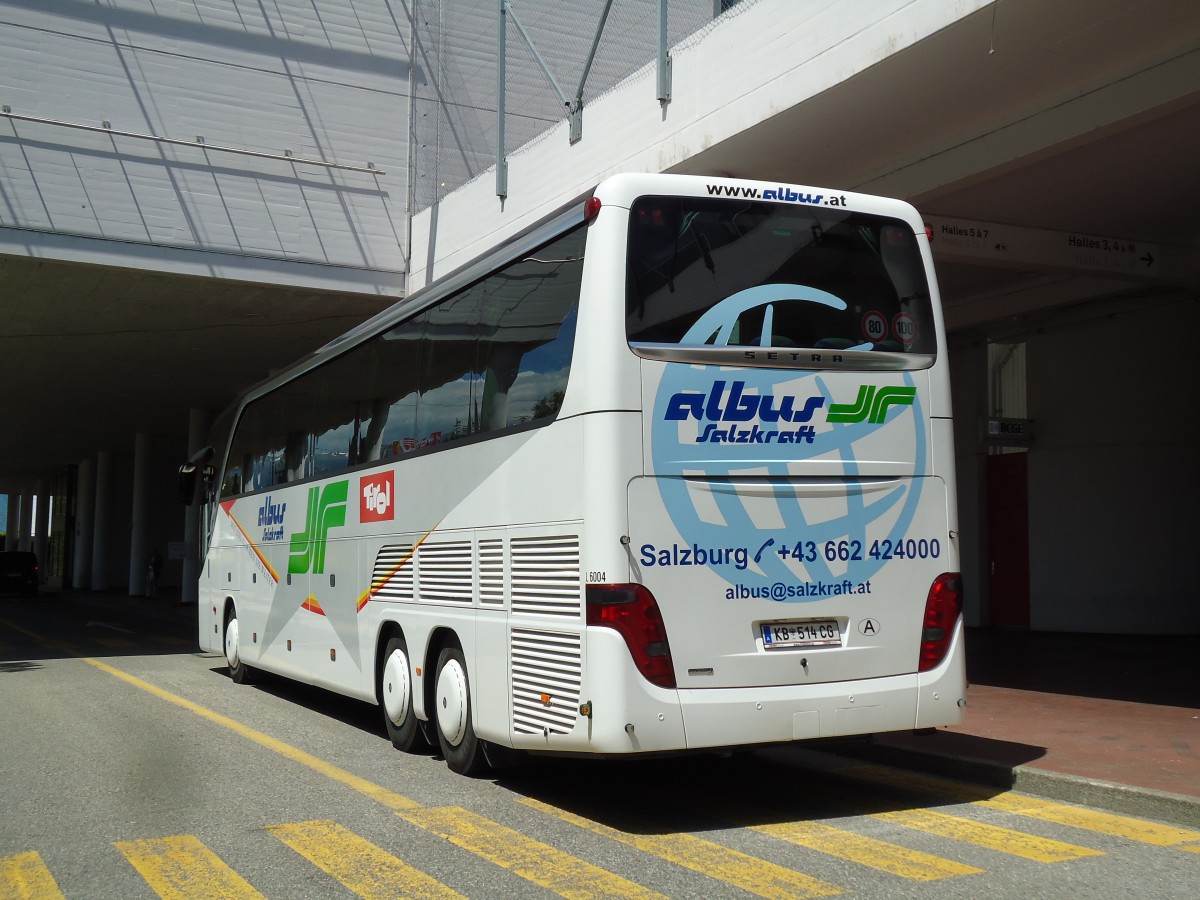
[(749, 423)]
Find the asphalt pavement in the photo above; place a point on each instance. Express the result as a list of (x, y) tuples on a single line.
[(1111, 721)]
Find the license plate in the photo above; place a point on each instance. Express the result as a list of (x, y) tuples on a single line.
[(815, 633)]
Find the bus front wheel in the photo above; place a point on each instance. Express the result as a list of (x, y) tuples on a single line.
[(238, 670), (452, 709), (395, 696)]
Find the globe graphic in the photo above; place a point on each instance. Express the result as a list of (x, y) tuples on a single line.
[(885, 512)]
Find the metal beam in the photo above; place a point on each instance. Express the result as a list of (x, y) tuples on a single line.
[(501, 160), (664, 58), (577, 106)]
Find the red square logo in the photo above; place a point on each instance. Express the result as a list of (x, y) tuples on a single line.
[(376, 498)]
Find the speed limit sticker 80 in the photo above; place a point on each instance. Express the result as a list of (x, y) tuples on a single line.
[(875, 326)]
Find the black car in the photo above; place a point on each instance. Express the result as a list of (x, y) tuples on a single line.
[(19, 572)]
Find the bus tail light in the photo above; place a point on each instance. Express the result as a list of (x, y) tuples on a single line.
[(943, 606), (632, 612)]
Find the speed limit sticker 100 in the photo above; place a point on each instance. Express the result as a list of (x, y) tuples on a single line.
[(905, 328)]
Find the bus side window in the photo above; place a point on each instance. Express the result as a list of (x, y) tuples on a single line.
[(446, 408), (232, 485), (393, 390), (542, 378), (336, 409), (529, 334), (258, 447)]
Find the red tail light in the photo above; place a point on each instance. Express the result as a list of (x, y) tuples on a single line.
[(942, 609), (632, 612)]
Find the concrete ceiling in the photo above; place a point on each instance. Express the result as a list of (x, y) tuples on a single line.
[(1069, 117), (91, 355), (1023, 114)]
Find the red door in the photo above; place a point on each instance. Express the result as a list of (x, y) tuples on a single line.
[(1008, 540)]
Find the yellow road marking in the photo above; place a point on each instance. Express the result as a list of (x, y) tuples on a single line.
[(880, 855), (1091, 820), (364, 868), (993, 837), (1033, 807), (390, 799), (540, 863), (757, 876), (550, 868), (916, 782), (1191, 848), (179, 868), (380, 794), (23, 876)]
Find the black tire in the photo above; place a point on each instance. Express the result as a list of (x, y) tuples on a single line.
[(396, 698), (238, 670), (452, 711)]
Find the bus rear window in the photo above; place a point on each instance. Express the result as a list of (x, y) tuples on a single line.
[(739, 273)]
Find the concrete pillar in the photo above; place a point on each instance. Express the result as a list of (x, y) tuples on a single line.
[(12, 524), (85, 508), (199, 421), (101, 533), (25, 528), (141, 541), (41, 541)]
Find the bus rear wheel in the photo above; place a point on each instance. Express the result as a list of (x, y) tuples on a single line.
[(238, 670), (452, 709), (396, 698)]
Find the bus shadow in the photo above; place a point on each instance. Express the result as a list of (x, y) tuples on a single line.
[(680, 793), (362, 716), (692, 792), (747, 789)]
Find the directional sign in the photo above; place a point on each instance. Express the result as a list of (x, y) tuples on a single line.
[(970, 239)]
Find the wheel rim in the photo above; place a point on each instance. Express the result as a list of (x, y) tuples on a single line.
[(231, 643), (396, 687), (452, 702)]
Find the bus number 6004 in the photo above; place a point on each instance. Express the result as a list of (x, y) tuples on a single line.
[(596, 577)]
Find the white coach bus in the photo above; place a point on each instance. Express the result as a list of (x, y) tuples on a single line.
[(672, 470)]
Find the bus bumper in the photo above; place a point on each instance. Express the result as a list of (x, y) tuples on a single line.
[(629, 715)]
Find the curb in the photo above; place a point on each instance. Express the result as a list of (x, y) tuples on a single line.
[(1176, 809)]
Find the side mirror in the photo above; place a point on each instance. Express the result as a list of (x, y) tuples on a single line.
[(188, 471)]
